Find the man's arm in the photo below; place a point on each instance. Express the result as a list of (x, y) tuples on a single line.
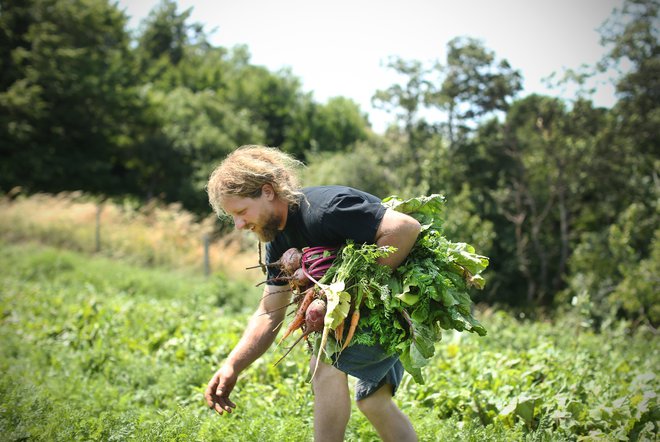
[(257, 338), (398, 230)]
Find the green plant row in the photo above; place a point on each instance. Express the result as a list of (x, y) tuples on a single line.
[(94, 349)]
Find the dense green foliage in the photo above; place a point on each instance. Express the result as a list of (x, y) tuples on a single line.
[(98, 350), (562, 195)]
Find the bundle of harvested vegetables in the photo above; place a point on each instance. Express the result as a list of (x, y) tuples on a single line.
[(302, 270), (405, 309)]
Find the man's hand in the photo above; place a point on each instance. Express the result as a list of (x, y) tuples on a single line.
[(258, 336), (218, 390)]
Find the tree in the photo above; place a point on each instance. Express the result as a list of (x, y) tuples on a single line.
[(69, 97), (633, 35), (165, 40), (472, 84), (406, 102), (363, 167), (615, 260), (337, 124), (15, 20), (190, 132), (530, 177)]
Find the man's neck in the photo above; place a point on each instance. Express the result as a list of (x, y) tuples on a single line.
[(282, 211)]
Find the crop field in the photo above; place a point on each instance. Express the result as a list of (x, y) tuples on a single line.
[(97, 349)]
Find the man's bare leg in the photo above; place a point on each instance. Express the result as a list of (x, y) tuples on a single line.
[(332, 403), (386, 417)]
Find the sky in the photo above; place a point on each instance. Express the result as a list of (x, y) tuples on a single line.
[(340, 47)]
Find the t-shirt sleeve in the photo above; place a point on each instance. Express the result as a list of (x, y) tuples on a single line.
[(353, 216)]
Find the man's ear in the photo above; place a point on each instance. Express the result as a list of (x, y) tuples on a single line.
[(268, 191)]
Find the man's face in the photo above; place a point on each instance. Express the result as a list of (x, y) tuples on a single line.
[(254, 214)]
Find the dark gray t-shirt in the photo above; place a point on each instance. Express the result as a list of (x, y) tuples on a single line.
[(328, 216)]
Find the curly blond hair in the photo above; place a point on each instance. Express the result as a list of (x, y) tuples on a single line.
[(244, 172)]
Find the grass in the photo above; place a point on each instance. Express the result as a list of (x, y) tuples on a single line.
[(154, 234), (96, 349)]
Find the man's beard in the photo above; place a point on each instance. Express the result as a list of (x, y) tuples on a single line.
[(268, 230)]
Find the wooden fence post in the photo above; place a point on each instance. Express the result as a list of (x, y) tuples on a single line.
[(99, 207), (207, 264)]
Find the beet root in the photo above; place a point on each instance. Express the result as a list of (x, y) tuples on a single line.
[(315, 316), (291, 260)]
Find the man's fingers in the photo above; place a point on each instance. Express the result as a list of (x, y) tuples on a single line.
[(223, 406), (209, 397), (208, 393), (217, 401), (224, 400), (217, 394)]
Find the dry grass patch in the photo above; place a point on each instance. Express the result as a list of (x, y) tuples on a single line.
[(154, 234)]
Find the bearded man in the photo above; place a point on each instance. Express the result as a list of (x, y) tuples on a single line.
[(257, 186)]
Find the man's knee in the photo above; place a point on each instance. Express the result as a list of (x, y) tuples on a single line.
[(377, 402), (326, 376)]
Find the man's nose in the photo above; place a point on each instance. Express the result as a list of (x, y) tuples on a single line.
[(239, 223)]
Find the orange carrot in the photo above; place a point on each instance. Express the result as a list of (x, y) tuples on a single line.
[(299, 319), (339, 332), (351, 329)]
